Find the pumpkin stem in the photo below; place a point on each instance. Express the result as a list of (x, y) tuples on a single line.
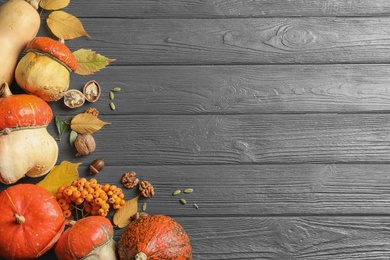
[(19, 219), (5, 91), (33, 3), (141, 256)]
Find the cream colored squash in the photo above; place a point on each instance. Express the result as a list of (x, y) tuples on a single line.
[(19, 24), (32, 152)]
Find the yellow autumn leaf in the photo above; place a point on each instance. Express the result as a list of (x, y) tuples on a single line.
[(122, 216), (85, 123), (65, 173), (89, 62), (65, 26), (53, 4)]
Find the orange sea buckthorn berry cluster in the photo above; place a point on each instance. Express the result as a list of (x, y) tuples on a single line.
[(89, 195)]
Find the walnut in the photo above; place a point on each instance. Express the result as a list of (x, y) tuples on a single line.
[(92, 111), (146, 189), (129, 180)]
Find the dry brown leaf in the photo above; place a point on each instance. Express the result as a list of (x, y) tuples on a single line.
[(53, 4), (65, 26), (65, 173), (122, 216), (85, 123)]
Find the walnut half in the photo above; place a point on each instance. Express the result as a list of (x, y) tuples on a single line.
[(129, 180)]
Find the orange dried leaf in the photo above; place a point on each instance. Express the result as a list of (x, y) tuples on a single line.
[(85, 123), (65, 26), (65, 173), (89, 62), (53, 4), (122, 216)]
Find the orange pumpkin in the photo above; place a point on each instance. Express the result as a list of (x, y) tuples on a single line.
[(89, 238), (154, 237), (31, 221), (46, 68), (26, 147)]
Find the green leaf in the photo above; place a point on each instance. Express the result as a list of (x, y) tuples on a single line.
[(62, 126), (89, 62), (72, 137)]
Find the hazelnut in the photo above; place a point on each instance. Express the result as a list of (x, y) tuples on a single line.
[(85, 144), (96, 166)]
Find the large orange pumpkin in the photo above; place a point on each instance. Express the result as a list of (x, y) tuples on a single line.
[(31, 221), (156, 237)]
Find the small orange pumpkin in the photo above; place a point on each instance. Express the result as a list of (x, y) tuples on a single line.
[(89, 238), (154, 237), (46, 68), (31, 221)]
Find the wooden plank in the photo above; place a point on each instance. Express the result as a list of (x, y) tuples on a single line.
[(241, 89), (238, 41), (256, 190), (310, 238), (237, 139), (222, 9)]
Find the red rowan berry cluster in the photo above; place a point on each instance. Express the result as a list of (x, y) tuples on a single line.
[(89, 196)]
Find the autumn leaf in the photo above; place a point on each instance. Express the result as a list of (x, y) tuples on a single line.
[(89, 62), (65, 173), (65, 26), (85, 123), (122, 216), (53, 4)]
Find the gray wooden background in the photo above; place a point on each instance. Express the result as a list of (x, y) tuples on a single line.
[(275, 112)]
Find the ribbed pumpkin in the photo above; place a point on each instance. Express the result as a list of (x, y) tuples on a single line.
[(31, 221), (156, 237)]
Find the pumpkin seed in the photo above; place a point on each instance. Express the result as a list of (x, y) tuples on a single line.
[(144, 206), (116, 89), (111, 95), (183, 201), (189, 190), (196, 206), (176, 192), (112, 106)]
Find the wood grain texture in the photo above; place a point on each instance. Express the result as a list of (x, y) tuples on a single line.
[(243, 139), (225, 89), (238, 41), (275, 112), (256, 190), (295, 238), (222, 9)]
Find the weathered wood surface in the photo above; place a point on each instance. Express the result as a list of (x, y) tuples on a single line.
[(275, 112), (242, 139), (232, 8), (239, 41), (242, 89)]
